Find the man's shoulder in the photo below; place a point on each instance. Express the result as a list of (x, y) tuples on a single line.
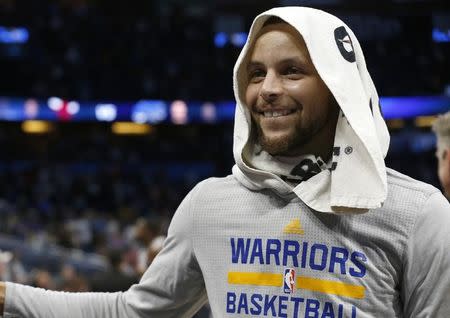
[(223, 190), (409, 202), (407, 197), (402, 184), (215, 183)]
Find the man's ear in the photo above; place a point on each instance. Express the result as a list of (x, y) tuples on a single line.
[(445, 157)]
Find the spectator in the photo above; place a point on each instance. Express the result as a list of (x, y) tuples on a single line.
[(114, 279), (441, 127), (71, 281), (43, 279), (145, 232), (11, 268), (154, 248)]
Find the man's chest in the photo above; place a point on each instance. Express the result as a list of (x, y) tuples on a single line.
[(286, 261)]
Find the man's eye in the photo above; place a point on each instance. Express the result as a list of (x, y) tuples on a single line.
[(256, 75), (292, 70)]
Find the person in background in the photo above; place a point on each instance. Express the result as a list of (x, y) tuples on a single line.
[(70, 280), (154, 248), (42, 278), (441, 128), (145, 232), (11, 268), (114, 279)]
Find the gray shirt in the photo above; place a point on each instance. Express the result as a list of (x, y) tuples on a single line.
[(253, 253)]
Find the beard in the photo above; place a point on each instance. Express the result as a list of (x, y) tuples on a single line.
[(285, 145), (307, 134)]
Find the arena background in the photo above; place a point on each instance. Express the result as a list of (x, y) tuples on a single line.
[(111, 111)]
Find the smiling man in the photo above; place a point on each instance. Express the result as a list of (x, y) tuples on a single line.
[(293, 110), (311, 223)]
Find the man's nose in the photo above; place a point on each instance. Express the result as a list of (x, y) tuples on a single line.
[(271, 88)]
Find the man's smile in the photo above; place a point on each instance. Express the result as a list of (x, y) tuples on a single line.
[(277, 113)]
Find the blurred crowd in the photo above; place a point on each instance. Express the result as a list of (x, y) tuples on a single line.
[(124, 263), (103, 202)]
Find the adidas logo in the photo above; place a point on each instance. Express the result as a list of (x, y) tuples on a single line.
[(294, 227)]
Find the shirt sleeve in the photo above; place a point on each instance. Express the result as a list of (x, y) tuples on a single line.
[(172, 286), (426, 282)]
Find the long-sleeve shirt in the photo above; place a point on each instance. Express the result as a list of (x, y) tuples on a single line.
[(253, 253)]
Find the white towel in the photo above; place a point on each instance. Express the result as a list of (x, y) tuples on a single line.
[(357, 181)]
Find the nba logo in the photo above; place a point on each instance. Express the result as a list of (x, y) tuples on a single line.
[(289, 280)]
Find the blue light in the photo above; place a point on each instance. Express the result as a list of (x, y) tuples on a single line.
[(440, 36), (13, 35), (106, 112), (410, 107), (158, 111), (149, 111), (239, 38), (220, 39)]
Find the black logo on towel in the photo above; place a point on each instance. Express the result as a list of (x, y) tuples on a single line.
[(344, 44), (306, 169), (348, 150)]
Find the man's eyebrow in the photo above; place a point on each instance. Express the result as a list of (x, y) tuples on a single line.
[(289, 60), (294, 60), (253, 64)]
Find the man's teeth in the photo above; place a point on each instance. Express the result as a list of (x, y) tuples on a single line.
[(278, 113)]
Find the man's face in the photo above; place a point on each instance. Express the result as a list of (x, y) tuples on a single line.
[(291, 107), (443, 156)]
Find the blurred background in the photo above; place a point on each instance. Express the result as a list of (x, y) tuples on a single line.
[(111, 111)]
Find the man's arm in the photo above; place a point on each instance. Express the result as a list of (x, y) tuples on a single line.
[(426, 280), (2, 296), (171, 287)]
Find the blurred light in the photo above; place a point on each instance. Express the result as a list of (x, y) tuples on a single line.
[(105, 112), (220, 39), (31, 108), (413, 106), (36, 127), (238, 39), (440, 36), (6, 257), (126, 128), (209, 113), (13, 35), (424, 121), (73, 107), (156, 111), (395, 123), (139, 117), (179, 112), (55, 103), (152, 111)]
